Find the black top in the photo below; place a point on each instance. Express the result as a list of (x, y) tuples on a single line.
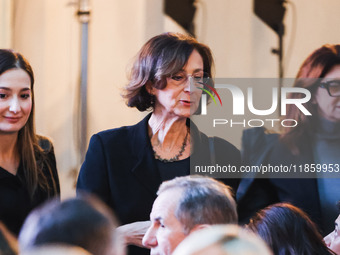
[(170, 170), (15, 201), (121, 169)]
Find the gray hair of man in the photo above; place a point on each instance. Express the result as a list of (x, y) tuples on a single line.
[(204, 201)]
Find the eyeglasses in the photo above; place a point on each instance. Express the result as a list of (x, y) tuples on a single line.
[(198, 78), (333, 87)]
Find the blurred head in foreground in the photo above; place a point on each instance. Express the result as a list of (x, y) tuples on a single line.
[(58, 249), (222, 240), (83, 221), (288, 230)]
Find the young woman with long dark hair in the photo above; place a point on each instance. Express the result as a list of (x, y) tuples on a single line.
[(28, 174)]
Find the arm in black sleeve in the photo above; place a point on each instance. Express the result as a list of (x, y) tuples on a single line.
[(93, 176)]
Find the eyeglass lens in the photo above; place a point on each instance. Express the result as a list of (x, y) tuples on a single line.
[(333, 87), (198, 78)]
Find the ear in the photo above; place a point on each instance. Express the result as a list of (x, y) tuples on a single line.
[(149, 88), (199, 227)]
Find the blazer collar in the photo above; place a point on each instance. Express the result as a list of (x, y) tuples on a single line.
[(145, 169)]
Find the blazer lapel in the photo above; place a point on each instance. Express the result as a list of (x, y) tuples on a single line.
[(145, 169)]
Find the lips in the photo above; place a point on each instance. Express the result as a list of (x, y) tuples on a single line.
[(12, 119), (186, 103)]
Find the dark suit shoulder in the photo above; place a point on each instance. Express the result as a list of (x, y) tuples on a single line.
[(138, 132), (221, 143), (257, 136), (115, 133)]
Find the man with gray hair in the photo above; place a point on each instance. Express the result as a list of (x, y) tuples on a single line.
[(186, 204)]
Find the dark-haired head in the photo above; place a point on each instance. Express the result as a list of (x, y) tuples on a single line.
[(159, 58), (83, 221), (10, 59), (288, 230), (312, 71), (31, 154)]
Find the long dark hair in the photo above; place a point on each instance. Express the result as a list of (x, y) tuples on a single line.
[(288, 230), (31, 154), (316, 66), (161, 56)]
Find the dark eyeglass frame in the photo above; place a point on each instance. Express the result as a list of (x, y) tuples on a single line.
[(196, 82), (326, 85)]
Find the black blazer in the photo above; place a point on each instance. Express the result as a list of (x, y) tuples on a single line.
[(255, 194), (120, 168)]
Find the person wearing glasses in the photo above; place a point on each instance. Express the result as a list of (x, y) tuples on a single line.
[(125, 166), (315, 140)]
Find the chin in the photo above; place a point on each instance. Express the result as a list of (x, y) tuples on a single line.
[(334, 118), (10, 130), (184, 115)]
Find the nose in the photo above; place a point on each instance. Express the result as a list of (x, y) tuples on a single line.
[(14, 105), (149, 239), (328, 239), (190, 84)]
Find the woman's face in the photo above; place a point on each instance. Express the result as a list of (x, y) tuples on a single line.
[(181, 96), (329, 107), (15, 100)]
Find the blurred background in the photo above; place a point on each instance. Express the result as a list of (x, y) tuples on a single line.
[(243, 34)]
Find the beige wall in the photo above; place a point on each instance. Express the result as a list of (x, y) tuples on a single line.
[(6, 12), (47, 32)]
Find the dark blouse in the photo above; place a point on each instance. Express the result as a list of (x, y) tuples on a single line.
[(170, 170), (15, 201)]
